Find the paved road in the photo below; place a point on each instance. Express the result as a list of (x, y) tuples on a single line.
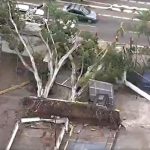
[(119, 1), (109, 22), (106, 29)]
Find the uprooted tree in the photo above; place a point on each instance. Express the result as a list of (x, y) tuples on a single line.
[(85, 63), (63, 42), (55, 36), (61, 38)]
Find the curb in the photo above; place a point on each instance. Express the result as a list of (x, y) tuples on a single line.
[(14, 87)]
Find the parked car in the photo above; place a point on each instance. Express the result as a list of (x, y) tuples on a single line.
[(82, 12)]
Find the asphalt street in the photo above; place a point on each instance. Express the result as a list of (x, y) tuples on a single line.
[(109, 22), (107, 27)]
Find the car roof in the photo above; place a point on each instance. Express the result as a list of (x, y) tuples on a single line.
[(75, 7)]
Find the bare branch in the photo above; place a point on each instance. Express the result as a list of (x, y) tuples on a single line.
[(55, 49), (35, 71), (73, 78), (89, 71), (65, 81), (23, 61), (63, 58), (50, 60), (50, 81), (82, 67)]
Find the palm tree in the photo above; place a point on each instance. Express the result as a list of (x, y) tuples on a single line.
[(143, 27)]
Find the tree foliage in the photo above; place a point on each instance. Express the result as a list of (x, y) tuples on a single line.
[(64, 42), (114, 64), (143, 26), (6, 27), (62, 28)]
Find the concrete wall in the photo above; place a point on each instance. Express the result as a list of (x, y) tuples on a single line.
[(83, 112)]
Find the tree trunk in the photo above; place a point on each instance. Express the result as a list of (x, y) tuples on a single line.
[(33, 69), (73, 79), (73, 93), (50, 81)]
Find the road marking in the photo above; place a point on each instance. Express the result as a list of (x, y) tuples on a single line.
[(133, 32), (93, 6), (100, 3), (133, 1), (116, 17), (87, 25), (119, 17), (138, 2), (141, 2), (110, 7)]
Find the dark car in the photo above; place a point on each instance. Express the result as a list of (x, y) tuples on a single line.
[(82, 12)]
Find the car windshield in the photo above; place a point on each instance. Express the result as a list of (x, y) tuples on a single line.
[(85, 10)]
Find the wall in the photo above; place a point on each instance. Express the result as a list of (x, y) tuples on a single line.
[(83, 112)]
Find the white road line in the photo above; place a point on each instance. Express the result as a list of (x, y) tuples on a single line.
[(116, 17), (119, 17), (93, 6), (132, 1), (133, 32), (138, 2), (109, 7), (87, 25), (100, 3), (141, 2)]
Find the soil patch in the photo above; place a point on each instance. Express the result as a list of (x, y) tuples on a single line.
[(8, 72)]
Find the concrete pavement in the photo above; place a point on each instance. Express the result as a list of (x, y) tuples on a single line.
[(134, 111)]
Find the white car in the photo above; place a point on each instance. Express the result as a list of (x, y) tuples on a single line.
[(83, 13)]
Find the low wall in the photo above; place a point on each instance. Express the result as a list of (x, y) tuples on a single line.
[(83, 112), (135, 88)]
